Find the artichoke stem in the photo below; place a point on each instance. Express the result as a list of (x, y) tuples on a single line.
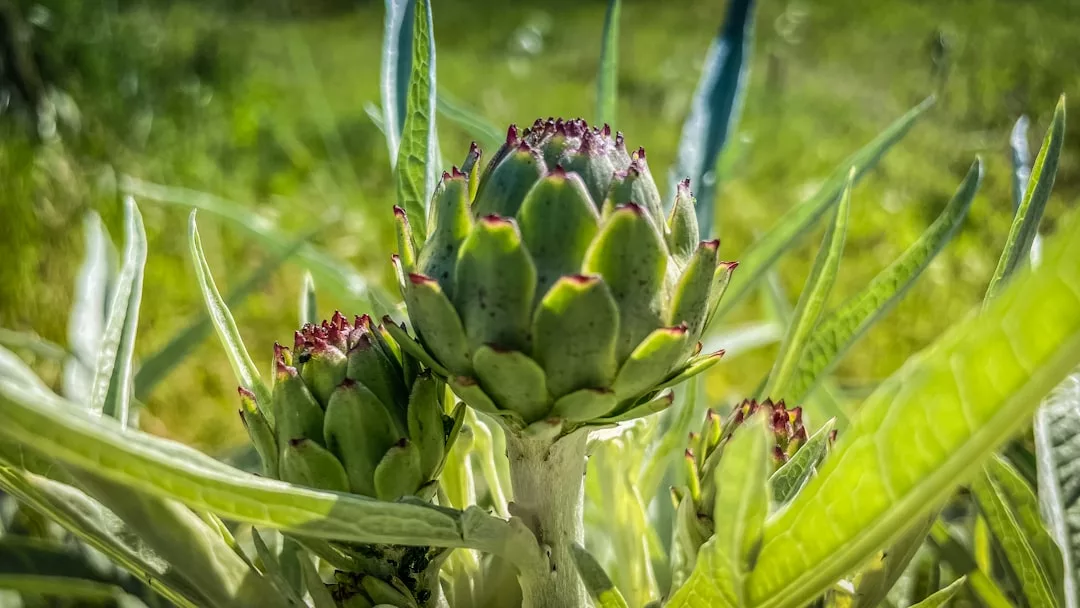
[(548, 489)]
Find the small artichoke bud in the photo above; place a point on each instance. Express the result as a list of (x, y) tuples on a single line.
[(370, 365), (636, 185), (427, 424), (471, 168), (682, 225), (306, 463), (297, 415), (450, 223), (321, 358), (406, 244), (504, 190)]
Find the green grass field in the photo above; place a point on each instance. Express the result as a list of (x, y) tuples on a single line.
[(269, 111)]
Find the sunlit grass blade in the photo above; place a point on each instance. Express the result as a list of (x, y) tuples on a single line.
[(417, 152), (815, 294), (607, 78), (94, 525), (942, 597), (395, 67), (1023, 545), (111, 391), (927, 429), (157, 366), (843, 327), (334, 275), (599, 585), (169, 470), (86, 320), (79, 590), (32, 343), (1020, 155), (714, 110), (786, 231), (244, 369), (1025, 225), (1057, 444), (488, 135)]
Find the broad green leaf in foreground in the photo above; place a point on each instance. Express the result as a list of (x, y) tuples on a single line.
[(815, 294), (607, 78), (786, 231), (1057, 444), (1011, 513), (742, 502), (714, 110), (1026, 221), (223, 321), (31, 416), (110, 393), (838, 332), (416, 153), (601, 589), (925, 430)]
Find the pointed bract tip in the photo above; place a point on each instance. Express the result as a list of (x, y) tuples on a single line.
[(620, 142), (677, 330), (779, 454), (729, 266), (524, 147), (446, 175), (558, 171), (581, 279), (402, 443), (466, 381), (688, 454), (684, 185), (399, 213), (493, 221), (244, 393), (631, 207), (712, 245), (668, 396), (512, 135), (419, 279), (456, 173), (298, 441), (640, 154)]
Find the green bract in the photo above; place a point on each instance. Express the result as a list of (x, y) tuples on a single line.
[(554, 285)]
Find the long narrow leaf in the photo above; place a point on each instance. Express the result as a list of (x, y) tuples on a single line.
[(417, 152), (32, 343), (951, 550), (942, 597), (111, 391), (244, 369), (71, 588), (1026, 221), (607, 78), (881, 574), (1020, 156), (309, 308), (715, 110), (927, 429), (35, 556), (158, 365), (841, 329), (86, 322), (1057, 444), (603, 592), (395, 67), (478, 127), (786, 231), (173, 471), (815, 294)]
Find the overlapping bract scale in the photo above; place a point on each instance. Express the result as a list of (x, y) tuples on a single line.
[(554, 284)]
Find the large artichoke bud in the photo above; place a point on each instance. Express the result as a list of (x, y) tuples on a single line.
[(351, 413), (555, 286), (694, 502)]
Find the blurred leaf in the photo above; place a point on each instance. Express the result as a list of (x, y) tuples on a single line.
[(737, 340), (171, 470), (86, 321), (110, 393), (793, 475), (1020, 155), (340, 278), (942, 597), (1024, 560), (273, 569), (309, 309), (320, 595), (725, 561), (1057, 443), (785, 233), (77, 589), (395, 69), (714, 110), (879, 576), (32, 343), (842, 328), (963, 564), (1026, 221), (601, 589), (156, 367), (33, 556), (958, 400), (673, 439), (607, 79), (488, 135), (244, 369), (417, 153), (815, 294)]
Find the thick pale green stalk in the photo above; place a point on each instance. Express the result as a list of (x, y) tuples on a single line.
[(549, 492)]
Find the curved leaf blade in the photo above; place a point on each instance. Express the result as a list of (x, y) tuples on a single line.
[(815, 294), (714, 110), (1057, 444), (841, 329), (957, 401), (111, 390), (1025, 225), (394, 70), (86, 321), (472, 122), (603, 592), (942, 597), (785, 232), (417, 152), (607, 79)]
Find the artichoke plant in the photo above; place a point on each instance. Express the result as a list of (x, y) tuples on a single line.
[(350, 413), (553, 287)]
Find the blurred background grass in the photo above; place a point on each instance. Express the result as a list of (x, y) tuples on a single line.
[(264, 104)]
